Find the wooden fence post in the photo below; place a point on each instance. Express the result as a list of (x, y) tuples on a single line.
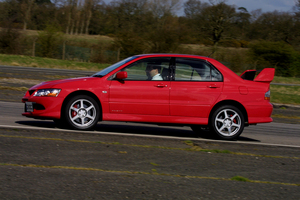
[(118, 54), (33, 47), (64, 50)]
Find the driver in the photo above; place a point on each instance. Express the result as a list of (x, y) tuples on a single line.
[(153, 72)]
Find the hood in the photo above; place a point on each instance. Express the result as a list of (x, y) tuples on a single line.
[(57, 83)]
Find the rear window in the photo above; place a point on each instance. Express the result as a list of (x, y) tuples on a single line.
[(195, 70)]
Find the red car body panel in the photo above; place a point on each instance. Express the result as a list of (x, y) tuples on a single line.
[(194, 100), (180, 102), (132, 98)]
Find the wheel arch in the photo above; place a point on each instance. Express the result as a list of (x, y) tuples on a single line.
[(82, 92), (232, 103)]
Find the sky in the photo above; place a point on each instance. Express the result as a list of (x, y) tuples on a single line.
[(265, 5)]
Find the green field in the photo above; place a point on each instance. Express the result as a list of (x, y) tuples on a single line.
[(29, 61), (285, 94)]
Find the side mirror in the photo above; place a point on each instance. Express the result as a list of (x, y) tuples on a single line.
[(121, 75)]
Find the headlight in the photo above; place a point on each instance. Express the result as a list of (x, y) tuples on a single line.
[(47, 93)]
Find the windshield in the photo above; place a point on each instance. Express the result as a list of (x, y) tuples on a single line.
[(113, 67)]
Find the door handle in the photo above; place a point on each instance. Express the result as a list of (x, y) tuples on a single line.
[(161, 85), (213, 86)]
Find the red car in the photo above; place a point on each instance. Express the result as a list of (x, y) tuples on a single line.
[(158, 88)]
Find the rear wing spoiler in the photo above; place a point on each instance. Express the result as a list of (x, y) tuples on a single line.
[(266, 75)]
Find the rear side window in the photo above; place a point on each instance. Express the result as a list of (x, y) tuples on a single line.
[(195, 70)]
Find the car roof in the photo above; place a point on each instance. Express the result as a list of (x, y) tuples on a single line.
[(211, 60), (171, 55)]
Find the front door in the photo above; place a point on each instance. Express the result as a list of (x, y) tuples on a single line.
[(146, 91)]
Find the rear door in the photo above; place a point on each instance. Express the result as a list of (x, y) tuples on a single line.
[(195, 88), (139, 94)]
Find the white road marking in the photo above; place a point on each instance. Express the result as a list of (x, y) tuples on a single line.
[(149, 136)]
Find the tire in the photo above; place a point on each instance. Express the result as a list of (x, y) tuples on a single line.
[(81, 112), (227, 122)]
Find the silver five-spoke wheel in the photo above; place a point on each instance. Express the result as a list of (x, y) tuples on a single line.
[(227, 122), (82, 112)]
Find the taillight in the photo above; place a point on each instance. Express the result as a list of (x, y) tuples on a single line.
[(267, 95)]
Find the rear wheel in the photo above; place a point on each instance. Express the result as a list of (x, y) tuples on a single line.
[(227, 122), (82, 112)]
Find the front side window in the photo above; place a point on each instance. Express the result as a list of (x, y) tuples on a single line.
[(155, 69), (195, 70)]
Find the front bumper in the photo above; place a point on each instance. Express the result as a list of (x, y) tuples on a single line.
[(43, 107)]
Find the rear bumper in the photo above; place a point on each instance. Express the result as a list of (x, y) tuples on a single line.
[(260, 113)]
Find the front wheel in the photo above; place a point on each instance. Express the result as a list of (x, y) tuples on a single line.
[(82, 112), (227, 122)]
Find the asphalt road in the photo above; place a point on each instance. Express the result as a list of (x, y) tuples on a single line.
[(39, 164), (270, 133), (139, 161)]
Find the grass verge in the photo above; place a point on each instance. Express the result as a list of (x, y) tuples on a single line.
[(240, 178), (24, 89), (285, 94), (29, 61), (287, 80)]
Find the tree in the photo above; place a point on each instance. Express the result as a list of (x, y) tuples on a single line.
[(164, 34), (192, 9), (297, 8), (217, 20), (273, 54), (10, 14), (193, 15), (44, 12), (162, 7), (242, 21), (49, 41), (127, 15), (88, 8), (10, 41), (129, 21), (255, 14), (275, 26), (71, 11), (26, 7), (129, 44)]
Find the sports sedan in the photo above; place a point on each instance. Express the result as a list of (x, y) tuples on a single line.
[(158, 88)]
